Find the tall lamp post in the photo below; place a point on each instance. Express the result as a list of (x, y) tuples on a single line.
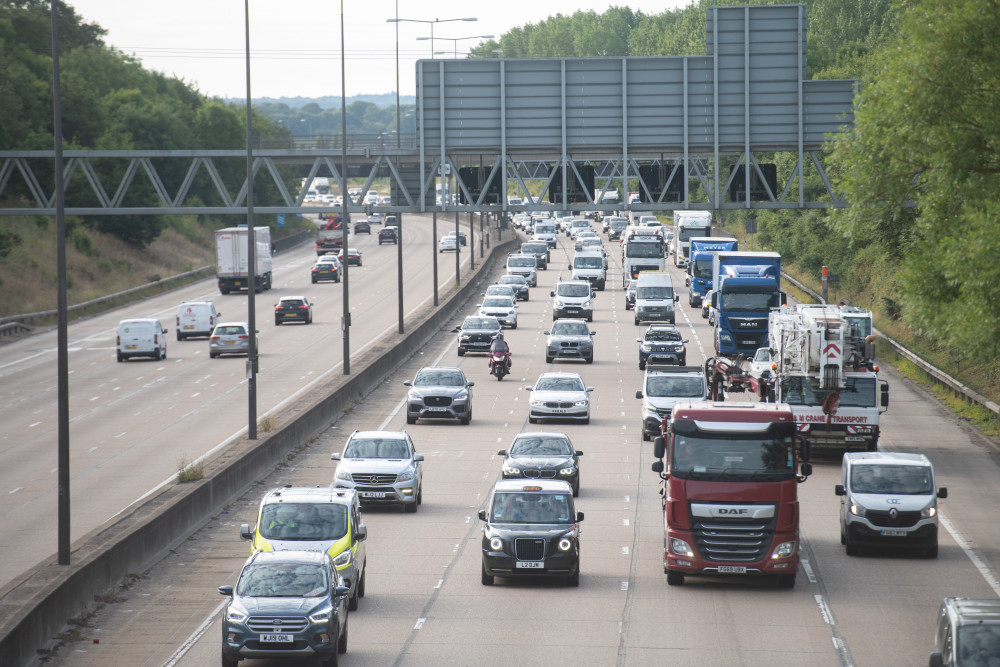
[(432, 22), (344, 222), (455, 41)]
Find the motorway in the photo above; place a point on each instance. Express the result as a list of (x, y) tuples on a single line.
[(132, 424), (425, 604)]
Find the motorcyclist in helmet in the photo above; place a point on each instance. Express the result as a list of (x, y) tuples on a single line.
[(499, 347)]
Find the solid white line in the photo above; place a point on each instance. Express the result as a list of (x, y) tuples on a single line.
[(824, 609), (977, 562), (195, 636)]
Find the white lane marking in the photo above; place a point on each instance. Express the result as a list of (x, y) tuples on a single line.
[(625, 551), (824, 609), (807, 568), (34, 425), (625, 522), (420, 623), (91, 449), (971, 554), (196, 635), (121, 434), (15, 490), (628, 498), (624, 585), (440, 581)]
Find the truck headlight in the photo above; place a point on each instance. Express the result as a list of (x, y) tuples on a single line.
[(784, 550), (928, 512), (344, 474), (856, 509), (725, 337), (681, 548), (496, 544)]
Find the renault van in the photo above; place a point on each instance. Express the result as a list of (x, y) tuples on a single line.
[(196, 319), (141, 338)]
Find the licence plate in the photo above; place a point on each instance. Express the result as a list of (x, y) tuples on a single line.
[(732, 569), (853, 438), (188, 326), (748, 342), (437, 411), (237, 283), (530, 565), (372, 494), (229, 342), (892, 532), (131, 347), (276, 638)]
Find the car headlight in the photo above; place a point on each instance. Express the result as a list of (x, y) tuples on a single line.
[(511, 312), (461, 396), (784, 550), (681, 548), (496, 544), (581, 403), (856, 509), (669, 306), (567, 471), (565, 544), (928, 512), (536, 403), (235, 615), (321, 616), (343, 558), (645, 347), (588, 304), (344, 474), (414, 396), (405, 476), (511, 470), (464, 337)]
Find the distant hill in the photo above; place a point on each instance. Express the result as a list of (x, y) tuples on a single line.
[(331, 101)]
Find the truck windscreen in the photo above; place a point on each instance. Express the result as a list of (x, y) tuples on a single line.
[(746, 302), (716, 457), (702, 269), (643, 250), (858, 392), (688, 233)]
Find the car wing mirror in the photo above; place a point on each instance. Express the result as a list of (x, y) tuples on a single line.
[(590, 389), (246, 533), (361, 532), (335, 456), (470, 384), (579, 516), (839, 490), (638, 394), (341, 591), (407, 383), (226, 590), (942, 492), (418, 457), (482, 515), (578, 453)]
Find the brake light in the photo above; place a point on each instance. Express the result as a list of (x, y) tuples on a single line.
[(303, 306), (214, 338), (178, 318), (118, 340), (244, 336)]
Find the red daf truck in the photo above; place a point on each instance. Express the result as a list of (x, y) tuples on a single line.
[(730, 501)]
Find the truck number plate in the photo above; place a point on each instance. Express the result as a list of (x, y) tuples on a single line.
[(853, 438), (732, 569), (530, 565), (892, 532), (276, 638), (372, 494)]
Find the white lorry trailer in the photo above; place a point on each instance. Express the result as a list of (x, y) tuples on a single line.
[(232, 255)]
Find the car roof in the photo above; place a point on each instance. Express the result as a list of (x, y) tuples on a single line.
[(436, 368), (559, 374), (972, 611), (317, 557), (378, 434), (139, 319), (573, 282), (887, 458), (532, 486), (314, 494), (541, 434), (663, 327), (299, 297), (233, 324), (569, 319)]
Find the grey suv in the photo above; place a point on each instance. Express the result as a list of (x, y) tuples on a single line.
[(569, 339), (383, 467), (439, 393), (287, 605)]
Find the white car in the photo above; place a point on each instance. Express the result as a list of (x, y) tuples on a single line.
[(504, 308), (559, 396), (447, 243)]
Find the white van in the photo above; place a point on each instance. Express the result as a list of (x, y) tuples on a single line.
[(196, 318), (654, 297), (888, 499), (590, 265), (141, 338)]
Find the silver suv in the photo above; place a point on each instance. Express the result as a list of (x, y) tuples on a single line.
[(569, 339), (383, 467), (525, 266), (664, 387), (439, 393)]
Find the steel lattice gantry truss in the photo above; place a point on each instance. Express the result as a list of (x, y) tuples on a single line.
[(701, 120)]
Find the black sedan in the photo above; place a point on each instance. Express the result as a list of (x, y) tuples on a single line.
[(362, 227), (293, 309), (387, 235), (542, 455)]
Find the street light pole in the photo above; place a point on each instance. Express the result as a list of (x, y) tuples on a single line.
[(344, 223), (399, 214), (251, 256)]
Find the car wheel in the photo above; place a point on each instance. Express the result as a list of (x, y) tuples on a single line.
[(513, 326), (410, 508), (642, 365), (179, 337), (464, 421), (526, 296), (359, 262), (548, 359), (852, 549), (342, 642), (411, 420), (332, 661), (486, 579), (277, 323), (361, 583), (590, 359), (163, 354), (931, 551), (120, 357), (420, 494), (586, 420), (461, 352), (675, 578), (314, 281), (576, 489), (637, 321), (645, 436), (590, 318), (212, 355), (310, 320), (532, 420), (229, 662), (352, 602)]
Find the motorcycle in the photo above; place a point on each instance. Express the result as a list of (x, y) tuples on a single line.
[(499, 364)]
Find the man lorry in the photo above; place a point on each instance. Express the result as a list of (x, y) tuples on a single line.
[(643, 251), (232, 259), (729, 486), (699, 266), (687, 225), (746, 286), (823, 361)]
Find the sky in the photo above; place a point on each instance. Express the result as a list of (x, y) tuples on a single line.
[(295, 44)]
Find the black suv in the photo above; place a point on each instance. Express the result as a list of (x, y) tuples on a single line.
[(662, 344), (540, 249), (477, 334), (388, 235), (362, 227), (532, 529)]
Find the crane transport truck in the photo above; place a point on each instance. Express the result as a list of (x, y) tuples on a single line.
[(699, 268), (746, 286), (823, 360), (730, 491), (687, 225), (232, 257)]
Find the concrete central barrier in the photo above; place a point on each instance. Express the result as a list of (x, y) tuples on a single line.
[(39, 604)]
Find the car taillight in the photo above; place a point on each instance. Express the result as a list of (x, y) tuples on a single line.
[(156, 339), (303, 306), (178, 318), (244, 336), (214, 338), (118, 340)]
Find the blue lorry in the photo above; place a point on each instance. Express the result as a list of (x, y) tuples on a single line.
[(746, 286), (699, 268)]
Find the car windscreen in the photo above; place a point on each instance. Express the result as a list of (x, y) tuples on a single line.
[(660, 386), (278, 580), (431, 377), (546, 228), (654, 292), (303, 521), (570, 329), (573, 290), (229, 331), (518, 507), (497, 302), (481, 323), (291, 303), (892, 479), (559, 384), (657, 335), (588, 263), (521, 261), (643, 250), (541, 445), (512, 280), (503, 290), (376, 448), (539, 248)]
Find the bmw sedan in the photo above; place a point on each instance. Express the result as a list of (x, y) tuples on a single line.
[(439, 393), (559, 396), (542, 455)]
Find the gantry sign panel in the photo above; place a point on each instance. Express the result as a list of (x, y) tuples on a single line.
[(697, 122)]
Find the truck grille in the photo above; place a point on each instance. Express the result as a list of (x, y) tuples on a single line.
[(274, 624), (901, 520), (732, 540), (529, 548), (437, 401), (741, 324), (373, 478)]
